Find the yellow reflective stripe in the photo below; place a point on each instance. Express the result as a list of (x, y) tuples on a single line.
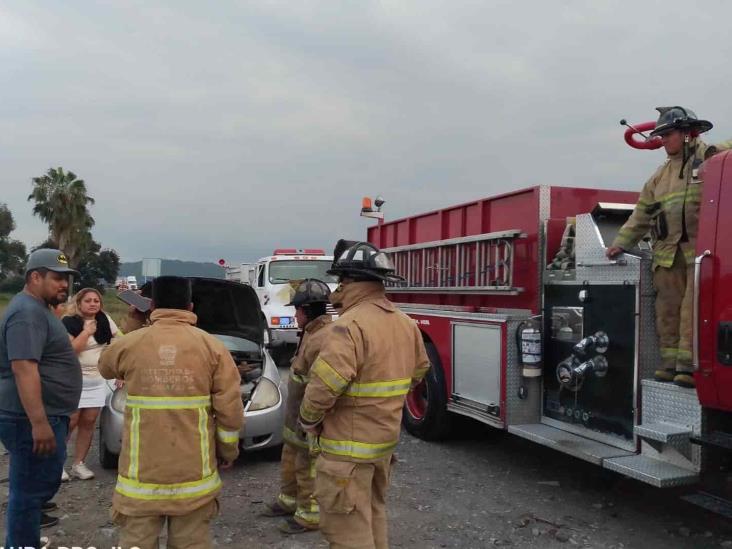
[(311, 517), (297, 378), (291, 437), (182, 490), (168, 402), (669, 352), (358, 450), (205, 450), (227, 437), (288, 502), (684, 354), (133, 469), (335, 381), (310, 415), (377, 389)]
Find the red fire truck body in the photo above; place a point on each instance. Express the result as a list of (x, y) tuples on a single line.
[(477, 281)]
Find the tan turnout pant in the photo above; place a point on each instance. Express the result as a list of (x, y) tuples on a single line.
[(191, 531), (352, 499), (297, 489), (674, 301)]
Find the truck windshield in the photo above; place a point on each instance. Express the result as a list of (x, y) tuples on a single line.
[(281, 272)]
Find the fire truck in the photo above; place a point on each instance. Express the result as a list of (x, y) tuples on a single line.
[(531, 329)]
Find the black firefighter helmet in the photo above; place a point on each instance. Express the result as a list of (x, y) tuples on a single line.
[(363, 261), (309, 292), (679, 118)]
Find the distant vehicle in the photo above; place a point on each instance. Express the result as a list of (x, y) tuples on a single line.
[(230, 312), (131, 283), (273, 277), (120, 283)]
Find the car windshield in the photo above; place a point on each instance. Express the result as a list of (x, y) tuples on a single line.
[(237, 344), (281, 272)]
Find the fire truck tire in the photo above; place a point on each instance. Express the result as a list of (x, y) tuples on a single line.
[(425, 411)]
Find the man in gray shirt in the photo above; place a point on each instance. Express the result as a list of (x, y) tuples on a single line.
[(40, 385)]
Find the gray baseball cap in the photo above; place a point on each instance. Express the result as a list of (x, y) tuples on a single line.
[(48, 258)]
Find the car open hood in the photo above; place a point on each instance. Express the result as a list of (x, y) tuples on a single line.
[(228, 308)]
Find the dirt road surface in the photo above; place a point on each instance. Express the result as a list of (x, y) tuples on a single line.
[(480, 489)]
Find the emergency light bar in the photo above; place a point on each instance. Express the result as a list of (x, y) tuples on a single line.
[(295, 251)]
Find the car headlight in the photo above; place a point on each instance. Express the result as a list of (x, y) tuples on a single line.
[(265, 395), (119, 400)]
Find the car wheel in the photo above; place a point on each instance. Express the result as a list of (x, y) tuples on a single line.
[(425, 409)]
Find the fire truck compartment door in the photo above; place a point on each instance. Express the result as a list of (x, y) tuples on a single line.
[(476, 363)]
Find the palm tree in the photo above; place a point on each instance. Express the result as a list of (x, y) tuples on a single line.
[(61, 201)]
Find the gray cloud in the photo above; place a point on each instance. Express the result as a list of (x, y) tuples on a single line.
[(228, 129)]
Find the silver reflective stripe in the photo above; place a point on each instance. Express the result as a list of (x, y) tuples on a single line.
[(143, 490), (133, 469), (360, 450), (227, 437), (168, 403), (205, 451)]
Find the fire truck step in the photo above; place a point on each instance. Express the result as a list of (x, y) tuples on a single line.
[(660, 474), (716, 439), (667, 433), (711, 503), (568, 443)]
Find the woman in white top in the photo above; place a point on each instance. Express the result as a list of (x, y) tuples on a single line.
[(90, 330)]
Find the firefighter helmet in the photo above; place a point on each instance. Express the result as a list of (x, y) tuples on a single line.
[(309, 292), (363, 261), (679, 118)]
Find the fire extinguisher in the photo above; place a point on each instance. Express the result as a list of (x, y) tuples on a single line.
[(528, 341)]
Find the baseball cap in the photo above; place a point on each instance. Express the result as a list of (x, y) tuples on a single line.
[(51, 259)]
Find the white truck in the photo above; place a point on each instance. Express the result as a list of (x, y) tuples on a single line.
[(271, 279)]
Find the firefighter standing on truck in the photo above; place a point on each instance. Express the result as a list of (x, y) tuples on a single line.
[(298, 466), (182, 419), (371, 357), (669, 206)]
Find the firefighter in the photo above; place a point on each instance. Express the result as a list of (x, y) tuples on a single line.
[(669, 207), (371, 357), (182, 421), (298, 467)]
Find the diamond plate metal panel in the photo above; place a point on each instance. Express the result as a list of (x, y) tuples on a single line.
[(663, 432), (592, 265), (545, 197), (519, 410), (579, 447), (669, 403), (651, 471)]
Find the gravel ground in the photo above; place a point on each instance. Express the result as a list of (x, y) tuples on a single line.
[(483, 488)]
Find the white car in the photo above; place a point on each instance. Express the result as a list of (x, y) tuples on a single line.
[(230, 311)]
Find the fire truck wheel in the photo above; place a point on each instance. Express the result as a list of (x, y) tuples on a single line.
[(425, 410)]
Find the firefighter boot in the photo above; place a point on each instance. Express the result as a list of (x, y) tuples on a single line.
[(685, 379), (665, 374)]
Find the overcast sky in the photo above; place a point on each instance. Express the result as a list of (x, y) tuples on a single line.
[(209, 130)]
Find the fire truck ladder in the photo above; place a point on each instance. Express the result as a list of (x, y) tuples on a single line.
[(480, 264)]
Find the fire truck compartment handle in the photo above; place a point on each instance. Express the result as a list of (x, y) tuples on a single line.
[(695, 308), (618, 262)]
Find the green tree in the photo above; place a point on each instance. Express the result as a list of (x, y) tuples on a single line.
[(97, 266), (12, 253), (61, 200)]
